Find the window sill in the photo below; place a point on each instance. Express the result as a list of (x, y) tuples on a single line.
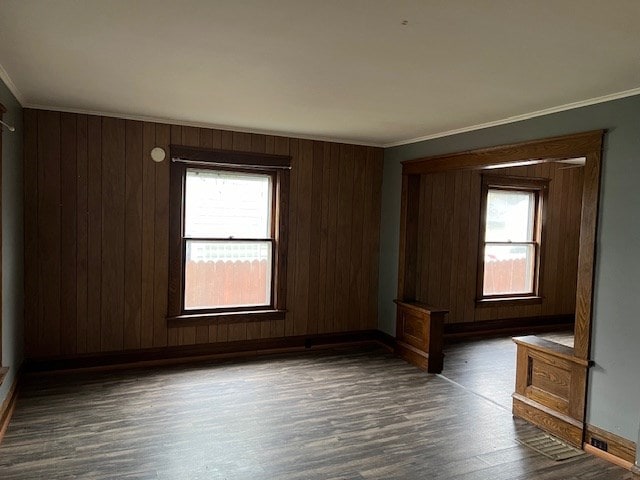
[(225, 317), (509, 301)]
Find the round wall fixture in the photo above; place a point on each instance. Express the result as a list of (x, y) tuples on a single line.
[(158, 154)]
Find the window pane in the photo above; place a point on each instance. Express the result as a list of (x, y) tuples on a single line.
[(221, 204), (510, 216), (508, 269), (227, 274)]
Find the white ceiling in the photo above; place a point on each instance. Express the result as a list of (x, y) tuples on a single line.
[(339, 69)]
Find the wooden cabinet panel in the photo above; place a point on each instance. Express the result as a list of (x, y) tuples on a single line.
[(414, 330), (419, 334), (550, 387)]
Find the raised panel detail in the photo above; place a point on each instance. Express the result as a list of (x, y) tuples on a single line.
[(419, 333), (550, 379), (414, 330), (550, 383)]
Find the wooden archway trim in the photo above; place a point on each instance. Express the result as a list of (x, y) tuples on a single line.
[(585, 144), (538, 151)]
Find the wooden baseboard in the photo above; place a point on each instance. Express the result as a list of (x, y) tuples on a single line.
[(8, 406), (212, 351), (616, 446), (610, 458), (511, 326), (557, 424), (412, 355), (385, 339)]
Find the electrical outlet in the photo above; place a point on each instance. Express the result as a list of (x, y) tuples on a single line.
[(600, 444)]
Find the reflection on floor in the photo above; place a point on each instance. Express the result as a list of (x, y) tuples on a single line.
[(487, 366)]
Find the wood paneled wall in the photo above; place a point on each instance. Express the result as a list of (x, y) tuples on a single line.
[(448, 228), (96, 235)]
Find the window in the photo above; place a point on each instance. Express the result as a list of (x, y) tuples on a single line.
[(511, 238), (228, 236)]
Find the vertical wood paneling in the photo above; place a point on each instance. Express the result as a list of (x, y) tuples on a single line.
[(447, 238), (113, 222), (454, 239), (374, 211), (551, 266), (563, 235), (571, 258), (68, 234), (148, 236), (31, 221), (448, 254), (466, 300), (437, 236), (82, 225), (96, 218), (332, 239), (303, 237), (354, 311), (317, 187), (323, 281), (133, 236), (343, 243), (473, 233), (367, 240), (293, 235), (424, 225), (49, 232), (161, 250)]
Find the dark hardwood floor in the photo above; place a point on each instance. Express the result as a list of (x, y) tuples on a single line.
[(339, 414), (487, 366)]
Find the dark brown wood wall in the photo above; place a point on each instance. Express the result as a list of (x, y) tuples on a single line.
[(449, 223), (96, 235)]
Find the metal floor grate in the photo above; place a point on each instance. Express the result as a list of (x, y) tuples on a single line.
[(549, 446)]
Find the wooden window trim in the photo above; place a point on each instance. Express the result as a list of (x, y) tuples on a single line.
[(278, 167), (539, 186)]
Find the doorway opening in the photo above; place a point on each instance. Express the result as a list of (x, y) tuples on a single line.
[(504, 238)]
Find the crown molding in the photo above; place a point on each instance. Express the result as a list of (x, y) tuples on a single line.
[(6, 79), (518, 118)]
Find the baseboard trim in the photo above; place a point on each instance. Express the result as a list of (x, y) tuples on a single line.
[(385, 339), (515, 326), (618, 447), (562, 426), (8, 406), (610, 458), (203, 352)]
